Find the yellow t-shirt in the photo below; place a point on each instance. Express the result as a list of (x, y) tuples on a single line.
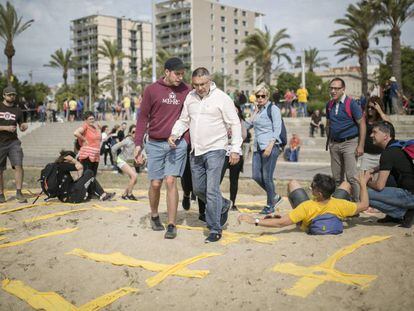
[(310, 209), (127, 102), (72, 105), (302, 95)]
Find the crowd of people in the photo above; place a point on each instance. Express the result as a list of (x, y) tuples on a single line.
[(197, 132)]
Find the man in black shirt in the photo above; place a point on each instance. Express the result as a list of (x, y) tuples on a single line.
[(396, 202), (10, 147)]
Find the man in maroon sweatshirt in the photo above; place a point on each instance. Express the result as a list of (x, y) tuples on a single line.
[(160, 108)]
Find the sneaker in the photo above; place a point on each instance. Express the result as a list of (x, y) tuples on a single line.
[(124, 197), (186, 203), (234, 208), (2, 198), (156, 224), (202, 217), (108, 196), (212, 237), (171, 232), (277, 199), (388, 219), (193, 196), (267, 210), (408, 219), (225, 212), (21, 198), (132, 197)]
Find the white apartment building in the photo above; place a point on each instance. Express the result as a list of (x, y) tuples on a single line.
[(206, 33), (133, 37)]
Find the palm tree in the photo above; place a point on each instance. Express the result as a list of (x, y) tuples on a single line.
[(62, 60), (11, 26), (111, 51), (161, 58), (359, 22), (312, 60), (395, 13), (264, 49)]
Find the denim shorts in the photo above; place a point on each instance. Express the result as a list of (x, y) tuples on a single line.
[(12, 150), (165, 161), (299, 196)]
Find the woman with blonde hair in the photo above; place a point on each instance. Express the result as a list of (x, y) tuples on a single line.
[(267, 124)]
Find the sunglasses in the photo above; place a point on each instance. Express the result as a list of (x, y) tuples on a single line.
[(261, 96), (10, 94)]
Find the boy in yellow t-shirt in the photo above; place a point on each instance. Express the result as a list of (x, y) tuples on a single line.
[(326, 200)]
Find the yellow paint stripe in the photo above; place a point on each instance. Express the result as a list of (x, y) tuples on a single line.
[(24, 207), (120, 259), (41, 236), (115, 209), (3, 238), (249, 211), (153, 281), (57, 214), (51, 301), (2, 229)]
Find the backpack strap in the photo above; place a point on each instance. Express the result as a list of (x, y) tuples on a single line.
[(269, 114)]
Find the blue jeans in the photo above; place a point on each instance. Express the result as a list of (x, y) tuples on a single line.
[(391, 201), (206, 173), (262, 172)]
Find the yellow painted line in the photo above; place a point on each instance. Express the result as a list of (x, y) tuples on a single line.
[(115, 209), (48, 216), (25, 207), (233, 237), (252, 204), (2, 229), (41, 236), (120, 259), (313, 276), (3, 238), (51, 301), (249, 211)]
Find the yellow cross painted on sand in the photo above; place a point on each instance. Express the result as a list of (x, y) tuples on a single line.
[(51, 301), (164, 270), (233, 237), (313, 276)]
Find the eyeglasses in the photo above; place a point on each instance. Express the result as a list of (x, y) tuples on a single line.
[(331, 88), (195, 85), (261, 96)]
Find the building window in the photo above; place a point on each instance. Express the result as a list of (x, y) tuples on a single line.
[(223, 8), (212, 38), (223, 19), (211, 6), (212, 16), (244, 23), (222, 60), (236, 32), (235, 12), (236, 41), (246, 63), (236, 71), (223, 29), (244, 13), (236, 51), (212, 49), (236, 21), (246, 33), (212, 58), (222, 50), (223, 39)]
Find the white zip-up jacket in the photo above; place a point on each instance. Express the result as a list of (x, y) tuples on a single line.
[(208, 119)]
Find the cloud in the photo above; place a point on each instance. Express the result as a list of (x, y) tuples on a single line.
[(309, 23)]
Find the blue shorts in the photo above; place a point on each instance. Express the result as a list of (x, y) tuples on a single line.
[(165, 161)]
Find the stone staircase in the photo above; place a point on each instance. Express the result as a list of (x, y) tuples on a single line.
[(42, 143)]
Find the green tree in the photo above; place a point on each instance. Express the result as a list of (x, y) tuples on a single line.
[(62, 60), (312, 60), (11, 26), (287, 81), (407, 72), (264, 50), (111, 51), (161, 58), (359, 23), (218, 79), (394, 13)]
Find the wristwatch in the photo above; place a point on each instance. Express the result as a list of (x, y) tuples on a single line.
[(256, 221)]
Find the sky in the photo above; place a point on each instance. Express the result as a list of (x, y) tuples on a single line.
[(308, 22)]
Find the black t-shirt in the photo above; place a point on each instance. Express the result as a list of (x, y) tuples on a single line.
[(316, 119), (121, 135), (401, 167), (9, 116), (369, 144)]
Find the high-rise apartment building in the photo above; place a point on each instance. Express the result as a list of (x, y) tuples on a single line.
[(206, 33), (133, 38)]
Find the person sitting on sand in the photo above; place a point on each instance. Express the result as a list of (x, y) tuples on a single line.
[(326, 200)]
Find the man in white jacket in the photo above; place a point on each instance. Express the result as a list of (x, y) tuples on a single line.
[(208, 112)]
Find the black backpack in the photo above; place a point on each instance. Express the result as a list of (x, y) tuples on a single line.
[(283, 132), (49, 181)]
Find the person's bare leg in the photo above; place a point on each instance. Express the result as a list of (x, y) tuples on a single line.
[(132, 178), (345, 186), (154, 196), (293, 185), (172, 198), (18, 175), (1, 183)]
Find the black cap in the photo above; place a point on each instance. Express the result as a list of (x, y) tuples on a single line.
[(174, 63), (9, 90)]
